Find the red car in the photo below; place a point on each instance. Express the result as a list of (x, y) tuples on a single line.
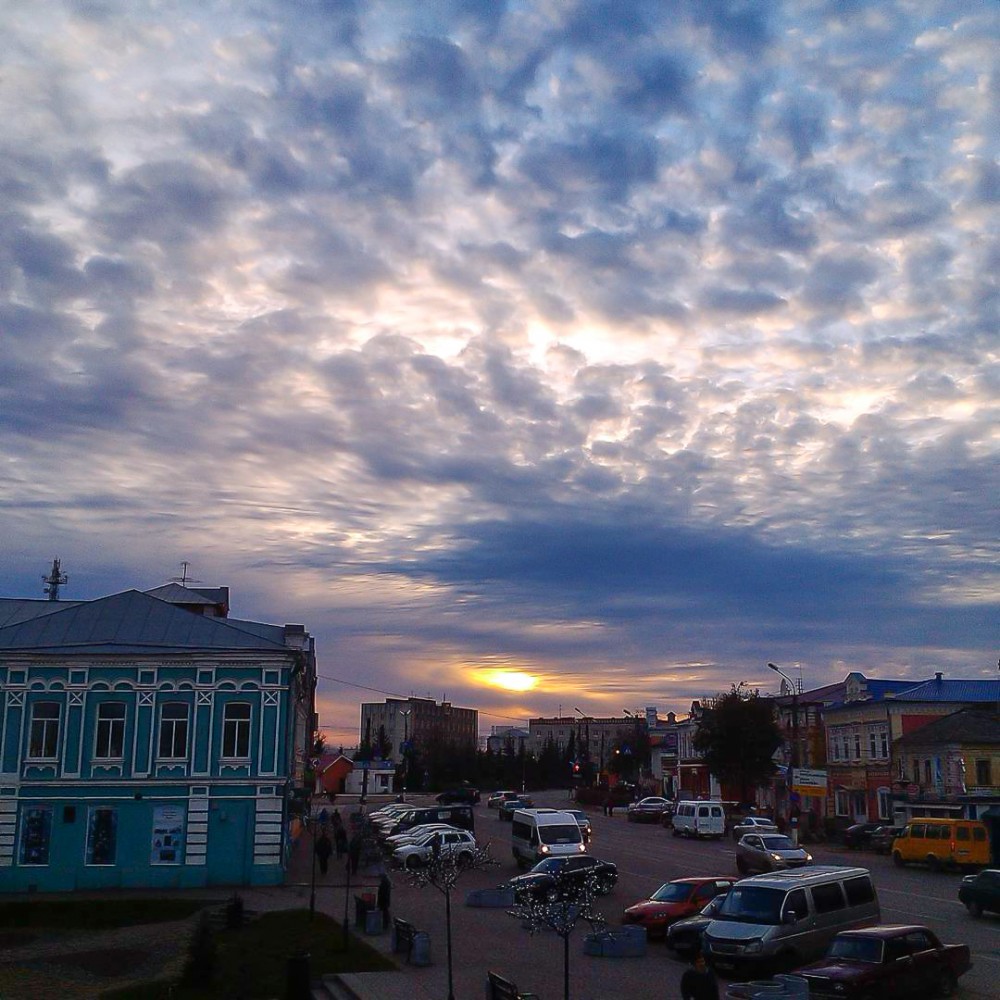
[(684, 897), (901, 960)]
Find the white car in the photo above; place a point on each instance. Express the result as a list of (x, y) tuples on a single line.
[(754, 824), (416, 835), (496, 798), (459, 844)]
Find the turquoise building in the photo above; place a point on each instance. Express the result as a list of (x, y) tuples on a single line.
[(149, 740)]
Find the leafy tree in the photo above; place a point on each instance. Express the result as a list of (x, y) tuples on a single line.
[(737, 735)]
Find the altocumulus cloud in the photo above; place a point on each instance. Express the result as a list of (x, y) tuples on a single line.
[(629, 344)]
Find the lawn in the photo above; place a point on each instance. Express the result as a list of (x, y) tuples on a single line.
[(252, 960), (25, 916)]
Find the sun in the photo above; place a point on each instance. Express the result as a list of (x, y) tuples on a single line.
[(512, 680)]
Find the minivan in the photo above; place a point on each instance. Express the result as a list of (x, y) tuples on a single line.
[(544, 833), (941, 842), (699, 819), (779, 921)]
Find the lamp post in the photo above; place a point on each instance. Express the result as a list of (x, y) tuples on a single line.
[(794, 756), (406, 739)]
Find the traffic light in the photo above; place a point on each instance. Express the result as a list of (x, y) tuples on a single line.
[(576, 767)]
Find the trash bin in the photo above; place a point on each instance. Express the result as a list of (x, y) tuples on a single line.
[(373, 921), (297, 977), (361, 909)]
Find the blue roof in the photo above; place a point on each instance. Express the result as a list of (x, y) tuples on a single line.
[(943, 689), (130, 622), (877, 691)]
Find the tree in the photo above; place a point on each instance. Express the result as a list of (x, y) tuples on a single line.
[(737, 736)]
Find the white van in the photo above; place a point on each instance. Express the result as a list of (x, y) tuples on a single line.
[(700, 819), (544, 833), (779, 921)]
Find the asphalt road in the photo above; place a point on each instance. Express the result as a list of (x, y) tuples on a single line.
[(647, 855)]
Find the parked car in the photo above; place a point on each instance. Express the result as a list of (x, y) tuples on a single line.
[(647, 810), (892, 961), (859, 835), (684, 936), (416, 834), (508, 807), (981, 892), (881, 840), (769, 852), (495, 798), (673, 901), (583, 821), (464, 793), (754, 824), (459, 844), (546, 877)]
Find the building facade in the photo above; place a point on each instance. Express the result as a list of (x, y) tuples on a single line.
[(599, 738), (148, 740), (417, 723)]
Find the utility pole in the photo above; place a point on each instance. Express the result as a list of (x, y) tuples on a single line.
[(794, 755)]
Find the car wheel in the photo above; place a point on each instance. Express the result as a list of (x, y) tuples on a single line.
[(933, 862), (897, 859), (412, 862), (947, 985), (975, 909)]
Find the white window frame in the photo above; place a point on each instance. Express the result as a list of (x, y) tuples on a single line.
[(39, 737), (174, 725), (884, 796), (884, 743), (872, 744), (857, 745), (842, 802), (236, 730), (107, 727)]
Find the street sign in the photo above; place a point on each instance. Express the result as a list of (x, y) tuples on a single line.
[(808, 782)]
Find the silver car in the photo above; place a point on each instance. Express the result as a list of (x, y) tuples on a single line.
[(768, 852), (754, 824)]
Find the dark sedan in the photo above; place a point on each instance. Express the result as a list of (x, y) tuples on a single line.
[(981, 892), (881, 840), (673, 901), (904, 960), (557, 876), (647, 810), (859, 835), (684, 937), (463, 794)]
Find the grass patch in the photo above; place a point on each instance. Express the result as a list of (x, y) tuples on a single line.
[(252, 959), (96, 914)]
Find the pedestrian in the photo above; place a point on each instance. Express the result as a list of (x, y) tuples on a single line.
[(323, 849), (335, 819), (699, 982), (354, 853), (383, 897), (340, 839), (323, 816)]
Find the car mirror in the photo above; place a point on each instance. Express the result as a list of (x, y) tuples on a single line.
[(790, 918)]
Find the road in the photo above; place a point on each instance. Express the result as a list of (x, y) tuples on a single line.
[(647, 855)]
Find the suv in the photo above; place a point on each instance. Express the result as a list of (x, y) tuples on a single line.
[(463, 794), (459, 844)]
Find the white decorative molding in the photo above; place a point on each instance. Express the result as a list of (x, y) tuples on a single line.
[(204, 698), (16, 699), (145, 699), (270, 699), (76, 699)]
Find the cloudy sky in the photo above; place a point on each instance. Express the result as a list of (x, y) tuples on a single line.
[(533, 353)]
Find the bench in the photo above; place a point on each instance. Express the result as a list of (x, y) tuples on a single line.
[(416, 944), (498, 988)]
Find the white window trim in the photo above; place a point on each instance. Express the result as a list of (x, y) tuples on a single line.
[(56, 722), (97, 755), (173, 725)]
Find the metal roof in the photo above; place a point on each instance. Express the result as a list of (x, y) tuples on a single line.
[(877, 691), (14, 610), (133, 622), (954, 690), (968, 725)]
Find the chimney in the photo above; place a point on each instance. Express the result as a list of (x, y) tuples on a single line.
[(938, 675), (295, 636)]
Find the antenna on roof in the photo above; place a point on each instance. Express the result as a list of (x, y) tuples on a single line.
[(184, 579), (56, 579)]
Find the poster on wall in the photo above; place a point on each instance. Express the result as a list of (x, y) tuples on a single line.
[(102, 837), (35, 832), (168, 835)]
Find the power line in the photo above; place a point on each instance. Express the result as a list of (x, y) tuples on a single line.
[(406, 697)]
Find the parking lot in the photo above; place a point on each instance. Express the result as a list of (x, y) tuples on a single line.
[(646, 855)]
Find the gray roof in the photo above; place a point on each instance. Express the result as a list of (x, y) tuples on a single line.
[(174, 593), (14, 610), (968, 725), (133, 622)]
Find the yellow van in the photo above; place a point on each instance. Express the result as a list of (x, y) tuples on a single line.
[(941, 843)]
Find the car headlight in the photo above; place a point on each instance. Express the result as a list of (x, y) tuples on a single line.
[(544, 849), (775, 857), (752, 947), (809, 857), (581, 847)]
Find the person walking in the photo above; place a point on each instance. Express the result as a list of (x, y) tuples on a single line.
[(383, 897), (323, 849), (699, 982)]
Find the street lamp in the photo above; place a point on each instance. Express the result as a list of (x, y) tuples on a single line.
[(794, 761), (406, 737)]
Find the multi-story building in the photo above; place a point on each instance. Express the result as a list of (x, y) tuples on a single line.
[(507, 739), (148, 740), (419, 722), (599, 737)]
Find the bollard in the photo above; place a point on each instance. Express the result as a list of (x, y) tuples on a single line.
[(297, 977)]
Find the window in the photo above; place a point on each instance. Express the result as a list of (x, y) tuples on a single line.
[(174, 730), (36, 829), (102, 837), (918, 830), (884, 803), (236, 730), (842, 802), (44, 740), (110, 730), (835, 748), (827, 898), (857, 746), (859, 890), (928, 779), (795, 902), (872, 744), (884, 743), (978, 834), (916, 771), (983, 776), (962, 833)]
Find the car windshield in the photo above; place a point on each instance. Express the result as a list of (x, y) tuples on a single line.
[(672, 892), (714, 905), (778, 843), (856, 949), (753, 904), (559, 834)]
